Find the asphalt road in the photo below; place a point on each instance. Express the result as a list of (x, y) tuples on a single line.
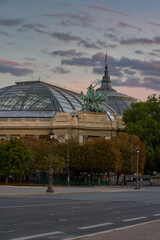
[(69, 215)]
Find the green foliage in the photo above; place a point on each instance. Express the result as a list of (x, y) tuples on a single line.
[(143, 120), (17, 157), (14, 156), (4, 166)]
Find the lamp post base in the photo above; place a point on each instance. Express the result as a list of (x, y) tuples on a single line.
[(137, 184), (50, 180), (50, 189)]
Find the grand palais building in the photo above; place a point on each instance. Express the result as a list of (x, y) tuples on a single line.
[(33, 108)]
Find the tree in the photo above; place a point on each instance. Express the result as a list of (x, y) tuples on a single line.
[(4, 167), (127, 146), (143, 120), (40, 154), (100, 156), (16, 160), (39, 149)]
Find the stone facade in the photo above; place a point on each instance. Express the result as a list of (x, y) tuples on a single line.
[(81, 125)]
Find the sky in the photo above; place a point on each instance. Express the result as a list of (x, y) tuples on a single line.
[(64, 42)]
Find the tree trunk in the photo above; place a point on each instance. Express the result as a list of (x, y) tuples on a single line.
[(6, 180), (108, 178), (99, 180), (89, 179), (117, 182)]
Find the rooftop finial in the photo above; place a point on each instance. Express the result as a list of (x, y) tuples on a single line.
[(106, 82), (106, 58)]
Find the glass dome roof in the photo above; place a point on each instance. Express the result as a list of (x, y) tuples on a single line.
[(39, 99)]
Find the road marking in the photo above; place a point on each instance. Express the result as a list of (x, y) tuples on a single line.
[(111, 230), (156, 215), (117, 212), (94, 226), (37, 235), (44, 205), (133, 219)]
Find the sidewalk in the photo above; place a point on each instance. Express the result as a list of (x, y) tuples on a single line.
[(27, 190), (146, 231)]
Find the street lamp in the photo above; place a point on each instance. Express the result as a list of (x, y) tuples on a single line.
[(137, 177), (50, 175), (68, 173)]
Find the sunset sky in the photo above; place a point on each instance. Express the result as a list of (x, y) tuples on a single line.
[(64, 42)]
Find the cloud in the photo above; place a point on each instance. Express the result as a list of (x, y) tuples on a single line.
[(144, 69), (95, 60), (14, 68), (19, 72), (153, 54), (68, 37), (129, 82), (68, 53), (88, 44), (138, 52), (105, 45), (66, 4), (144, 66), (8, 62), (133, 41), (31, 59), (156, 50), (111, 36), (154, 24), (33, 26), (60, 70), (4, 33), (10, 22), (108, 10), (70, 19), (148, 82), (112, 71), (152, 82), (129, 72), (126, 25), (123, 68)]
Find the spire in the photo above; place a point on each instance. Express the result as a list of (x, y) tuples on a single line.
[(106, 82)]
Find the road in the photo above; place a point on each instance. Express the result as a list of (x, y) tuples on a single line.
[(66, 216)]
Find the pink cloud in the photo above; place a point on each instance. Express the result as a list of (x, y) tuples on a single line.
[(8, 62), (126, 25), (108, 10)]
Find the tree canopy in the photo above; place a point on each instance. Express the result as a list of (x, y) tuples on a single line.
[(143, 120), (14, 158), (127, 146)]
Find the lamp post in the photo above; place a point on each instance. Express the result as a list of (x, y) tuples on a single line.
[(50, 175), (68, 173), (131, 164), (78, 118), (137, 177)]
